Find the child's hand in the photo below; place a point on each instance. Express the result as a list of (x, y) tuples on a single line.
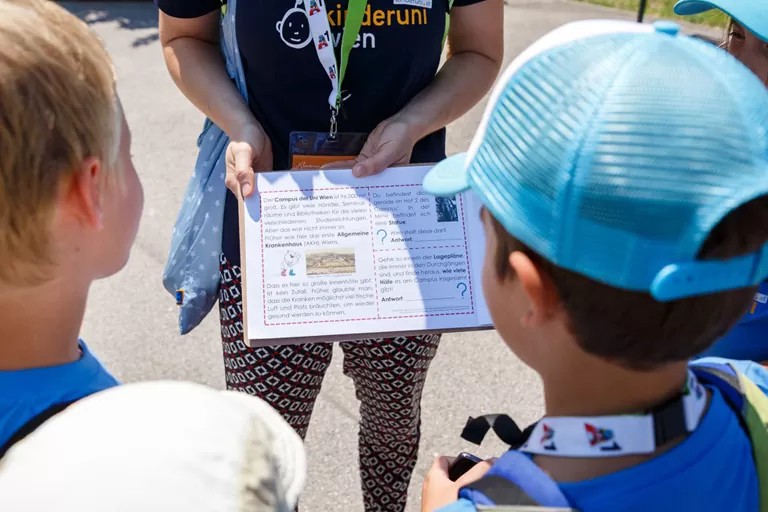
[(438, 490)]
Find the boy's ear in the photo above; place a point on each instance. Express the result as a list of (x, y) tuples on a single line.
[(82, 195), (539, 289)]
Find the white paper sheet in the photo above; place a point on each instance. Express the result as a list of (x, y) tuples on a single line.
[(330, 256)]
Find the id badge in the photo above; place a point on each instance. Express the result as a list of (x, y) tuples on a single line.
[(312, 150)]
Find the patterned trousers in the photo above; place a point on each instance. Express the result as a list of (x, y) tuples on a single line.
[(388, 374)]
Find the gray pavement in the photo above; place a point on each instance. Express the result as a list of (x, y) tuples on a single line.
[(131, 320)]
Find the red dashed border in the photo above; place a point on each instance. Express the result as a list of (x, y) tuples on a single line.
[(366, 319), (263, 271), (420, 248), (373, 245), (345, 188), (466, 252)]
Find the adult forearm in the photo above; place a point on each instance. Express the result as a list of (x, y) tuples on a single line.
[(199, 71), (461, 83)]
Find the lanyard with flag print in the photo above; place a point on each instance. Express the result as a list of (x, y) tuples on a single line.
[(612, 436), (323, 41)]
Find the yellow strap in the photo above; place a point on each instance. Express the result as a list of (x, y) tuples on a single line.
[(756, 418)]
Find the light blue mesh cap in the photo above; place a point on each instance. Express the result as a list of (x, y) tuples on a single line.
[(612, 149), (752, 14)]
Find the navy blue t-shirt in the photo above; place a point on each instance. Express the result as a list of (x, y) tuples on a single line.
[(397, 56)]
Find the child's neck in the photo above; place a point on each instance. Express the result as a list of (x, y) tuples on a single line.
[(599, 389), (610, 390), (40, 326)]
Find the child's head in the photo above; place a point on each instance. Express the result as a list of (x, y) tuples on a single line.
[(747, 32), (624, 177), (70, 199)]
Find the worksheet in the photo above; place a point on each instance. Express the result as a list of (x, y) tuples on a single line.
[(330, 257)]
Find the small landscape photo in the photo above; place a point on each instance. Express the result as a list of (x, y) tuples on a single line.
[(330, 261), (446, 209)]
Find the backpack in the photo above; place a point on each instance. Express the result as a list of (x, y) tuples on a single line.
[(31, 425), (516, 483)]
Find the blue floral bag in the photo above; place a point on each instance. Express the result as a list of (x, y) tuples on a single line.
[(192, 272)]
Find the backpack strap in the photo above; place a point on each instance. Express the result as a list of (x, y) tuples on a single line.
[(515, 481), (31, 425), (751, 403)]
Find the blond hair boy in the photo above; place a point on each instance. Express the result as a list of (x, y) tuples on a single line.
[(70, 203)]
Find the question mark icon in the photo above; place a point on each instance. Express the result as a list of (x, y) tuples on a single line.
[(383, 236), (463, 290)]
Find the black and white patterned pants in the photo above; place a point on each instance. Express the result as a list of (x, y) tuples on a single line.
[(388, 374)]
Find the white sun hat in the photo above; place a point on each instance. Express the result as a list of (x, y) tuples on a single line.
[(157, 446)]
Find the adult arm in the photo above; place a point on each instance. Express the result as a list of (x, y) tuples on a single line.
[(476, 50), (194, 60)]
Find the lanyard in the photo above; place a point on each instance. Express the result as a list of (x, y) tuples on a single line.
[(323, 41), (612, 436)]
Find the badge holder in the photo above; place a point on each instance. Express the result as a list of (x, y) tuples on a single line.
[(312, 150)]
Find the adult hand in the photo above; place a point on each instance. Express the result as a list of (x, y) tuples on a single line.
[(438, 490), (391, 143), (249, 151)]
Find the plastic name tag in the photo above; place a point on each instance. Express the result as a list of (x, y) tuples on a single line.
[(312, 150)]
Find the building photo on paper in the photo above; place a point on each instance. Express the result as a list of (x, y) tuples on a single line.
[(330, 261), (446, 209)]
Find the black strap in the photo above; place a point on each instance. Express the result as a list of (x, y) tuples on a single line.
[(501, 492), (503, 426), (641, 11), (31, 425)]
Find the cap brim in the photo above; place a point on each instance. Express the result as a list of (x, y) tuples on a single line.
[(287, 447), (449, 177), (752, 15)]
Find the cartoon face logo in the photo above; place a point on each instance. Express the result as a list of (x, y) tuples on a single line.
[(288, 265), (313, 8), (332, 72), (294, 28), (547, 440), (600, 436)]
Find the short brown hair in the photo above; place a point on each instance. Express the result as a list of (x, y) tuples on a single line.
[(632, 328), (57, 108)]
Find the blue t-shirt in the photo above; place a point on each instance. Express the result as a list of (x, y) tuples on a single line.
[(26, 393), (712, 470), (749, 338), (397, 55)]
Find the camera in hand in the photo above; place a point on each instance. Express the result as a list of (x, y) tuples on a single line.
[(461, 464)]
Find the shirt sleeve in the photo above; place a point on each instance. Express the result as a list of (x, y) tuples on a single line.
[(187, 8)]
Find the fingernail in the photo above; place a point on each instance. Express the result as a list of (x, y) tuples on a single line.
[(358, 170), (246, 189)]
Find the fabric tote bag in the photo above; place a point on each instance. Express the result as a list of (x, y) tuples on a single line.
[(192, 272)]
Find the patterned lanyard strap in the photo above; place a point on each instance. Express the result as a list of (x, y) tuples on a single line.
[(612, 436), (323, 41)]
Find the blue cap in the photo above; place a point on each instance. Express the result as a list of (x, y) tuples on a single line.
[(752, 14), (612, 149)]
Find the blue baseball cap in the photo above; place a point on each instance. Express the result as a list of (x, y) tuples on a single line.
[(612, 149), (752, 14)]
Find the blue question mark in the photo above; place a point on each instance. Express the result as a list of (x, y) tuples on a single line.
[(463, 290), (383, 236)]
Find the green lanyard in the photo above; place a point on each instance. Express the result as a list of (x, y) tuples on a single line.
[(352, 24)]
